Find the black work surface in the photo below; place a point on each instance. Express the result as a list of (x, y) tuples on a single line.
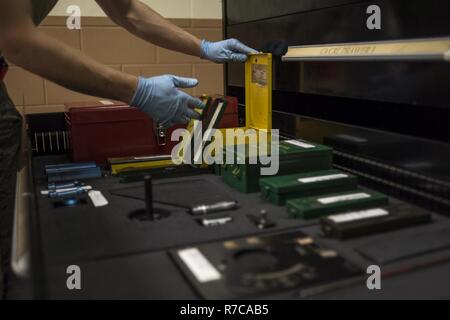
[(84, 233), (125, 259)]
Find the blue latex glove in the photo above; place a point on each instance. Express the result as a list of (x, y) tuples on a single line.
[(160, 98), (230, 50)]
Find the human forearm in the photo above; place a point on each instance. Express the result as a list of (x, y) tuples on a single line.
[(55, 61), (148, 25)]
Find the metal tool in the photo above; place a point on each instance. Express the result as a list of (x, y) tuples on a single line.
[(263, 221), (214, 208), (65, 185), (36, 143), (216, 222), (71, 192), (57, 140), (43, 141), (51, 141)]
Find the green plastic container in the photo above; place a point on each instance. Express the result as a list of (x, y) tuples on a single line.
[(217, 169), (318, 206), (282, 188), (294, 157)]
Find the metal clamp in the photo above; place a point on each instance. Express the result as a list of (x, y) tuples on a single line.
[(161, 135)]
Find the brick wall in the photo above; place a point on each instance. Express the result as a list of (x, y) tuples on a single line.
[(102, 40)]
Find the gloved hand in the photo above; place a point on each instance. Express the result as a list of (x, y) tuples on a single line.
[(230, 50), (160, 98)]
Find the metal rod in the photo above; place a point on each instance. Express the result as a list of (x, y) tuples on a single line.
[(64, 139), (51, 142), (36, 142), (43, 141), (57, 140)]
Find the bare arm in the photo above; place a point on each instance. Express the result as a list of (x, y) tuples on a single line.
[(148, 25), (23, 44)]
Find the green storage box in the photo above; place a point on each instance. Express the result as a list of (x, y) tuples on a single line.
[(217, 169), (295, 156), (318, 206), (282, 188)]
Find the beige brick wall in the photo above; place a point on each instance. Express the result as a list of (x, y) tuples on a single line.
[(176, 9), (113, 46)]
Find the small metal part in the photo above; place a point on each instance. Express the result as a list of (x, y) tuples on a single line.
[(69, 192), (305, 241), (57, 140), (64, 185), (161, 135), (215, 222), (262, 221), (253, 241), (64, 139), (215, 208), (51, 142), (43, 141), (36, 142), (231, 245), (264, 215), (327, 254)]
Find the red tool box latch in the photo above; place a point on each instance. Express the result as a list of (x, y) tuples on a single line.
[(161, 135)]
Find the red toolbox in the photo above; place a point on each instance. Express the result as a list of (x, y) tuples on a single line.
[(230, 118), (107, 129)]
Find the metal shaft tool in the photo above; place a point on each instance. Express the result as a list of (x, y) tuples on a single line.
[(214, 208)]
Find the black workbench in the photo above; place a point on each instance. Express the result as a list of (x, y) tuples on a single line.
[(126, 259)]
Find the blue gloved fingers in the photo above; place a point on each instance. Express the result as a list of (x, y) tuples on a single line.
[(167, 125), (160, 98), (191, 102), (186, 120), (179, 120), (238, 57), (195, 103), (225, 51), (237, 46), (191, 114), (184, 113), (181, 82)]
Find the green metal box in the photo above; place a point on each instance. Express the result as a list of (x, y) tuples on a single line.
[(282, 188), (294, 157), (318, 206)]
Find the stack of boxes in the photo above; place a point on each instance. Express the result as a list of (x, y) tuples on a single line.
[(293, 158), (306, 181)]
